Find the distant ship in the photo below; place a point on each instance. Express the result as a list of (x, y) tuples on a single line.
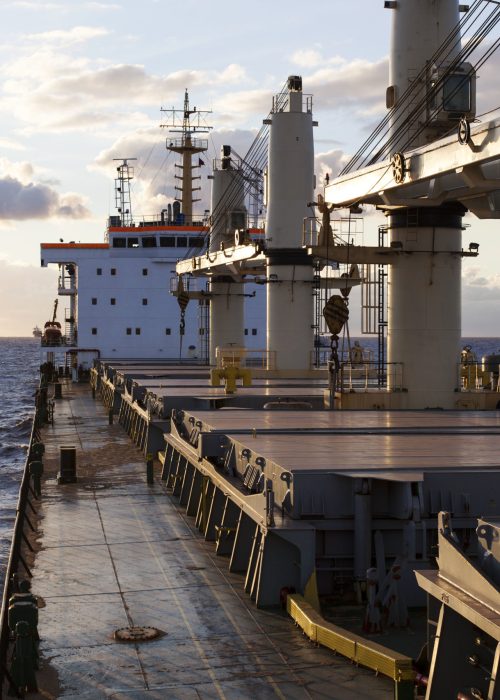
[(37, 333)]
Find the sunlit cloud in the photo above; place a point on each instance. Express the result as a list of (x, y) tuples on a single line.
[(67, 37), (153, 186), (11, 145), (23, 196), (480, 287)]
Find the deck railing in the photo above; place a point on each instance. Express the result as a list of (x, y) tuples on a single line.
[(16, 558)]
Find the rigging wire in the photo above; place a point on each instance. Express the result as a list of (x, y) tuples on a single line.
[(447, 51)]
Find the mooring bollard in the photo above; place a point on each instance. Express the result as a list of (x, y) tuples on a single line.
[(110, 416), (149, 469), (57, 390)]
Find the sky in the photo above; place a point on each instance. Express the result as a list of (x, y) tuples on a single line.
[(83, 82)]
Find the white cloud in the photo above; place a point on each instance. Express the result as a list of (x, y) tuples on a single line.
[(67, 37), (480, 287), (307, 58), (22, 197), (330, 162), (37, 201), (154, 183), (50, 91), (11, 145)]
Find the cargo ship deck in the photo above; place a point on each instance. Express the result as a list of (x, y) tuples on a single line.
[(114, 552)]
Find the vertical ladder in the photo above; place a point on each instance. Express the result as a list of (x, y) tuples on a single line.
[(204, 327), (382, 313), (318, 315), (374, 307)]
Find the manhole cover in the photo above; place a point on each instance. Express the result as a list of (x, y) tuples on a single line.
[(96, 487), (136, 634)]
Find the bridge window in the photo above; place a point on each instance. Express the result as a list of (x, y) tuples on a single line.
[(119, 242), (181, 241), (148, 242), (132, 242), (167, 241)]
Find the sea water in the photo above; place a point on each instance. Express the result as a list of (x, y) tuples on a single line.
[(19, 364)]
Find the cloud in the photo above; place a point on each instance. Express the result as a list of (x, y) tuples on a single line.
[(346, 84), (49, 90), (22, 197), (306, 58), (37, 201), (12, 145), (67, 37), (478, 287), (154, 170), (330, 162)]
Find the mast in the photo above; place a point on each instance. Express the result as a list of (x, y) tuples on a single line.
[(123, 202), (187, 123)]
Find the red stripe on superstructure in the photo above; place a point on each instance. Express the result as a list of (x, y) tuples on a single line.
[(134, 229), (75, 245)]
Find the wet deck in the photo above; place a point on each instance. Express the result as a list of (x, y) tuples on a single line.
[(116, 552)]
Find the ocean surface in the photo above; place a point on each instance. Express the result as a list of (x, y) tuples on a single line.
[(19, 363)]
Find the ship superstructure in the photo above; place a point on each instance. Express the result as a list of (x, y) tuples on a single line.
[(123, 294)]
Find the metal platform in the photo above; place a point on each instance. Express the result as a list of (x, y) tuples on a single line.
[(115, 552)]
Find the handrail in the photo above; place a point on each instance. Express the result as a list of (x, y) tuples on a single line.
[(15, 556)]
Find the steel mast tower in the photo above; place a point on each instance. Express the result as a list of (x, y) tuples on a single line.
[(123, 201), (186, 122)]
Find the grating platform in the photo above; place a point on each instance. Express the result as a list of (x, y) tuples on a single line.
[(116, 553)]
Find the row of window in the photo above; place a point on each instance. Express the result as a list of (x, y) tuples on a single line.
[(161, 242), (168, 331), (112, 301), (112, 271), (128, 331)]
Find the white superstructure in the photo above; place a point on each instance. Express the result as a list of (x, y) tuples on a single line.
[(121, 293)]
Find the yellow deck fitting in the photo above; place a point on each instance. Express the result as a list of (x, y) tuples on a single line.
[(354, 647), (230, 374)]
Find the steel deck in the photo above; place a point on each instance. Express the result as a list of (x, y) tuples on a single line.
[(116, 552)]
